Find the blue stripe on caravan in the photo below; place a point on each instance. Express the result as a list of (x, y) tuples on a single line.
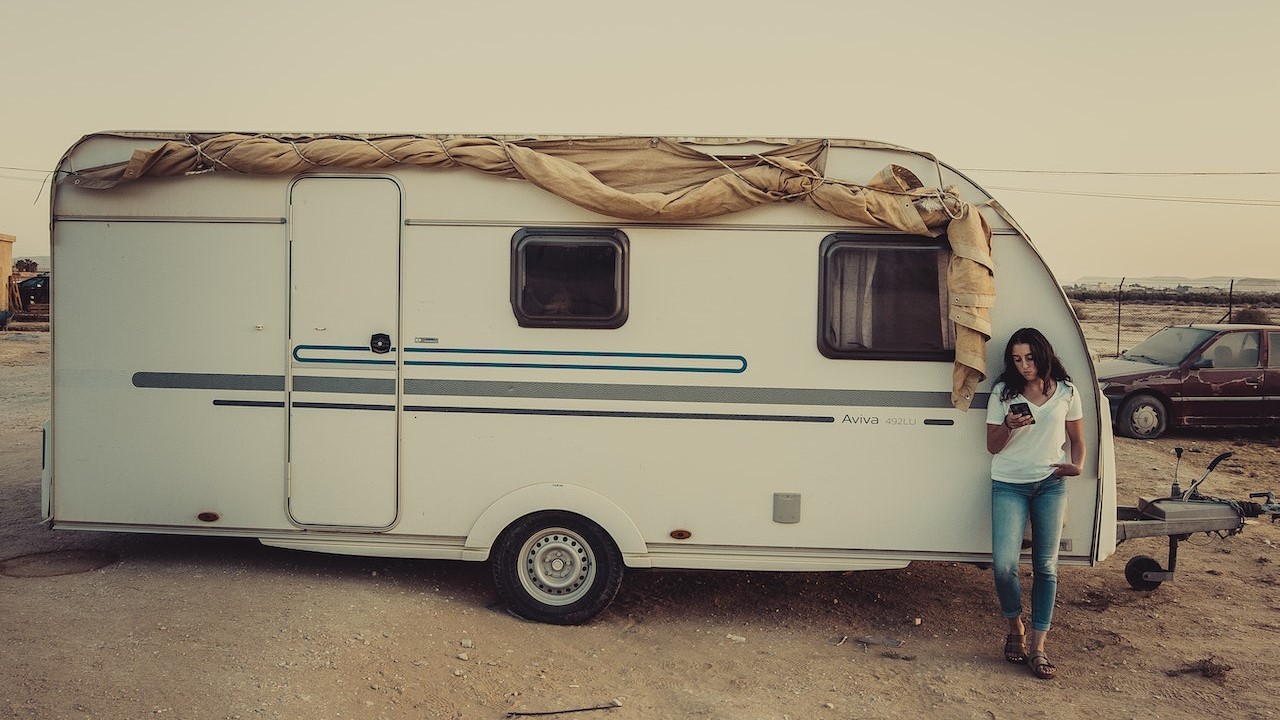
[(297, 355)]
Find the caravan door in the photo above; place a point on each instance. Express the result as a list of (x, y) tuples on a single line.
[(344, 352)]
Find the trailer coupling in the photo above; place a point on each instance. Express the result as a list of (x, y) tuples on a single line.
[(1180, 515)]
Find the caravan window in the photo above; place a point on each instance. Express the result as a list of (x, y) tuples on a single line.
[(884, 298), (569, 278)]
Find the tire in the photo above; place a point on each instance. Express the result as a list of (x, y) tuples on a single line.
[(1137, 565), (1143, 417), (557, 567)]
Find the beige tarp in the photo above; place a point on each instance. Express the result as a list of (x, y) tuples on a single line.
[(635, 179)]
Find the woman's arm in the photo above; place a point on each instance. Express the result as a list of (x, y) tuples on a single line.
[(997, 438), (998, 435), (1075, 434)]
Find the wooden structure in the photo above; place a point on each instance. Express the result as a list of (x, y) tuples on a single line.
[(6, 272)]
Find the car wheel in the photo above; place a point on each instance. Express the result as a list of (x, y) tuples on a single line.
[(1143, 417), (557, 567)]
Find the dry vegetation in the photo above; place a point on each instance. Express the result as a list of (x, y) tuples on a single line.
[(1137, 321)]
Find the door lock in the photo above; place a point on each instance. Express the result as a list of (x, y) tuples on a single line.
[(380, 343)]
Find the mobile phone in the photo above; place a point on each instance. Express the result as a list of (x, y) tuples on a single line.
[(1021, 408)]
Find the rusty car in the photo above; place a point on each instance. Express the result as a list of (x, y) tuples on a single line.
[(1205, 375)]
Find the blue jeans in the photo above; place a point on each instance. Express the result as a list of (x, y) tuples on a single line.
[(1044, 502)]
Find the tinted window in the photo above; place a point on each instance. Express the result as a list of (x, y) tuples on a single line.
[(569, 278), (1273, 350), (884, 298)]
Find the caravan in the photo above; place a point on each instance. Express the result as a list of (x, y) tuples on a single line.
[(564, 355)]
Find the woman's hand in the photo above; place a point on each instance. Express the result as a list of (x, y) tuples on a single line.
[(1013, 422), (1066, 469)]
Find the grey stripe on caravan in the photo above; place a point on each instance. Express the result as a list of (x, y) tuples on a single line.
[(686, 393), (218, 381), (549, 390), (363, 386), (208, 381)]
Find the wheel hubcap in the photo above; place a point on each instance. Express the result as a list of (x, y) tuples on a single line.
[(558, 567), (1145, 419)]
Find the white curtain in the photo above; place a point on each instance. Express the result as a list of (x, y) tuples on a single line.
[(857, 269)]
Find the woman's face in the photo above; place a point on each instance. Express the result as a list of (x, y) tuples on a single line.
[(1023, 362)]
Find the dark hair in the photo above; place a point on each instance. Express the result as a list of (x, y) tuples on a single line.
[(1047, 363)]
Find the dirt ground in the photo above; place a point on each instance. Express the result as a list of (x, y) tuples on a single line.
[(157, 626)]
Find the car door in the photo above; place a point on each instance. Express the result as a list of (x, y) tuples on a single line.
[(1271, 380), (1224, 385)]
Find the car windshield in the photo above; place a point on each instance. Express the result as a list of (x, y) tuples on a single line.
[(1169, 346)]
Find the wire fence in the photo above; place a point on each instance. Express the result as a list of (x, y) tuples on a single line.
[(1115, 319)]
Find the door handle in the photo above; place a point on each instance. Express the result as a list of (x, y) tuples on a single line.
[(380, 343)]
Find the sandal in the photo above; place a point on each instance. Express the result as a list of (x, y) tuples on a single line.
[(1041, 666), (1015, 648)]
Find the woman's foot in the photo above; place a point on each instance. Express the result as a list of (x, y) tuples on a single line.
[(1015, 648), (1040, 665)]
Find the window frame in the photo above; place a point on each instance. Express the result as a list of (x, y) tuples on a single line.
[(525, 237), (836, 241)]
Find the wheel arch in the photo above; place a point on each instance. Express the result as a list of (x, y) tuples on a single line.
[(563, 497)]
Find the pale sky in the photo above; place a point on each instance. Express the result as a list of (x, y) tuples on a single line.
[(1108, 87)]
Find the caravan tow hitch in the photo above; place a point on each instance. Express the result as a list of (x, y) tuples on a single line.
[(1179, 516)]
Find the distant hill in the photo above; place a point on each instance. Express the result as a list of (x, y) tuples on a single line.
[(1171, 282)]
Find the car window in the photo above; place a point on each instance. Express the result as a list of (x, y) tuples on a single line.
[(1273, 349), (1169, 346), (1234, 350)]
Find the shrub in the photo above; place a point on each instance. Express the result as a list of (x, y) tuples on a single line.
[(1254, 315), (1079, 310)]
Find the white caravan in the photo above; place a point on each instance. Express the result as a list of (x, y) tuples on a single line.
[(565, 355)]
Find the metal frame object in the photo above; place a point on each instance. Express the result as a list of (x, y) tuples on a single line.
[(1181, 515)]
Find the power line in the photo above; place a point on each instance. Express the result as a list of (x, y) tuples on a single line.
[(21, 179), (30, 170), (1248, 202), (1132, 173)]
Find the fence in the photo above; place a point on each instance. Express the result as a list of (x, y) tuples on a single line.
[(1115, 319)]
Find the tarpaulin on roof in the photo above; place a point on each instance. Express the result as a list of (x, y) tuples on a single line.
[(633, 178)]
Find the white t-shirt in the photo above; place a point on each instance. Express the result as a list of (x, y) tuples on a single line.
[(1032, 450)]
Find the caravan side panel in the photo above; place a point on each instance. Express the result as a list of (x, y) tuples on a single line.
[(158, 322)]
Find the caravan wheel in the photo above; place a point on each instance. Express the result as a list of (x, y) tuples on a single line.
[(1138, 565), (557, 567)]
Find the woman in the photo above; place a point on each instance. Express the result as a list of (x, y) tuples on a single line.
[(1033, 412)]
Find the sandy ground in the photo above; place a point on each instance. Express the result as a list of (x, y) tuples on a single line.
[(214, 628)]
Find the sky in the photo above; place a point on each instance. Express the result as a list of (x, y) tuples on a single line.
[(1074, 115)]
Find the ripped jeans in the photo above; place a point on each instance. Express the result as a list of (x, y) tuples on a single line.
[(1045, 503)]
